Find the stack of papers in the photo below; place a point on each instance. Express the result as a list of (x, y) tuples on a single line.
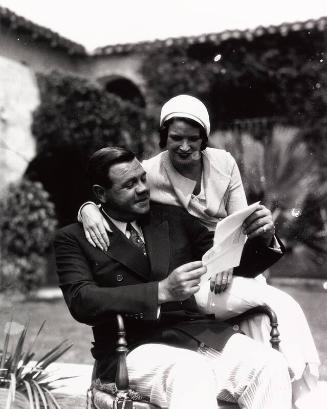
[(228, 243)]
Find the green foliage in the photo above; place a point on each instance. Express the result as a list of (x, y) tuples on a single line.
[(271, 76), (19, 371), (171, 71), (76, 113), (27, 222), (285, 175), (75, 118), (291, 191)]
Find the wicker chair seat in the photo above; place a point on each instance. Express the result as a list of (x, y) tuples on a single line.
[(105, 400)]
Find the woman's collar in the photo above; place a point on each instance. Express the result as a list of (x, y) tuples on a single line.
[(182, 185)]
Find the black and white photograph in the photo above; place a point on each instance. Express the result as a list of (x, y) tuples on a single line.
[(163, 204)]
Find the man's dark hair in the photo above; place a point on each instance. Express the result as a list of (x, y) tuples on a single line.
[(101, 161), (163, 131)]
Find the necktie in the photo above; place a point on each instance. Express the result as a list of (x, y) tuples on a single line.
[(135, 238)]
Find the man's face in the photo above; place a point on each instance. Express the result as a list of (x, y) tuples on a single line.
[(183, 143), (128, 197)]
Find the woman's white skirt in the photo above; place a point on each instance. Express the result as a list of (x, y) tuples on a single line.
[(297, 344)]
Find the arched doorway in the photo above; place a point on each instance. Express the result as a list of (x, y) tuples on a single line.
[(124, 88)]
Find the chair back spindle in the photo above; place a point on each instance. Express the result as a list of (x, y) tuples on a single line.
[(122, 380)]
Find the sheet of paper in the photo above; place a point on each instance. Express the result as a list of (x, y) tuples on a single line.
[(228, 243)]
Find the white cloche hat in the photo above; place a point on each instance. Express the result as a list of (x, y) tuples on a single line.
[(186, 106)]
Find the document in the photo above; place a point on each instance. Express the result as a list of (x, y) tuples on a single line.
[(228, 243)]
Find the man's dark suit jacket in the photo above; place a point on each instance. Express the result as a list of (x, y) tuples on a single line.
[(97, 285)]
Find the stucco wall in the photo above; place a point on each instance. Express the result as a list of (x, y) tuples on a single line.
[(123, 66), (36, 54), (18, 98)]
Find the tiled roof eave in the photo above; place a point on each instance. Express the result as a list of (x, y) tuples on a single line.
[(39, 33), (216, 38)]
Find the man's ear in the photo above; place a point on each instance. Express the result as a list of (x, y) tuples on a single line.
[(99, 193)]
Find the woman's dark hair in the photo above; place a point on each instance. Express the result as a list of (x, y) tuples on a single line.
[(101, 161), (163, 131)]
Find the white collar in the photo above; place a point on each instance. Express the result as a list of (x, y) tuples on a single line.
[(214, 183), (123, 225)]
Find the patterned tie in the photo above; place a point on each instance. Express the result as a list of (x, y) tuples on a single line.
[(135, 238)]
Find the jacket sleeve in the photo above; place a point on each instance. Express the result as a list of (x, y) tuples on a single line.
[(257, 257), (90, 303), (200, 238)]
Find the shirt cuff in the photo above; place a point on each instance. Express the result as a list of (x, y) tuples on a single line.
[(158, 311), (79, 214)]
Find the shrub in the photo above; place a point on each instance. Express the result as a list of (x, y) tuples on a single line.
[(77, 113), (74, 119), (285, 175), (171, 71), (270, 76), (27, 222)]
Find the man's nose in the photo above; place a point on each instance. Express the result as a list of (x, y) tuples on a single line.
[(142, 187), (185, 145)]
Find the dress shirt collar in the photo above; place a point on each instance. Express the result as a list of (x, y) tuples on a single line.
[(123, 225)]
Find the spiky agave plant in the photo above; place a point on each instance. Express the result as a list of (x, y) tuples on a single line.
[(285, 175), (296, 195), (19, 371)]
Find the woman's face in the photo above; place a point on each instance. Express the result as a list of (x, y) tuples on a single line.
[(184, 143)]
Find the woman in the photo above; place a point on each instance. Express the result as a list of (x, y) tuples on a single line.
[(207, 183)]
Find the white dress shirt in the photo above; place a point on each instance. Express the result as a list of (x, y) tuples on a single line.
[(122, 226)]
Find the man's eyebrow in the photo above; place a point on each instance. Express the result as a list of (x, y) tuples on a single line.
[(132, 178)]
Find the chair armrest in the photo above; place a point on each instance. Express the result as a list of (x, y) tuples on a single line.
[(262, 309)]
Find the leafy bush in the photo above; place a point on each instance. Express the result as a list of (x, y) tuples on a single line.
[(77, 113), (285, 175), (27, 222), (75, 118), (171, 71), (270, 76)]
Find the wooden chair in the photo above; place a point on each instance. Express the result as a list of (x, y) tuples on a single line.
[(118, 395)]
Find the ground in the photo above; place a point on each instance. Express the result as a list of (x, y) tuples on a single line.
[(60, 325)]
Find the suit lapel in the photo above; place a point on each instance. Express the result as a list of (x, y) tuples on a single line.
[(123, 251), (156, 235)]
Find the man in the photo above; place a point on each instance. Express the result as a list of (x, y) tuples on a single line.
[(149, 274)]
